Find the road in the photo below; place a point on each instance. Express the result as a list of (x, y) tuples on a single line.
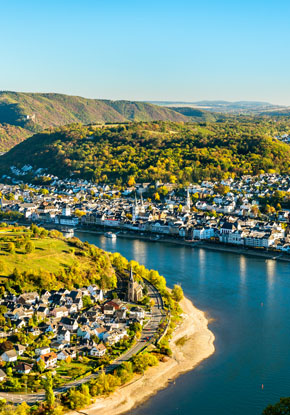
[(147, 337)]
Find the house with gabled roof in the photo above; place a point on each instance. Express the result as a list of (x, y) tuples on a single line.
[(98, 350), (70, 324), (23, 368), (2, 375), (9, 356), (49, 359)]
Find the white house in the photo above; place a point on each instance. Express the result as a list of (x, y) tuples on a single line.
[(49, 359), (9, 356), (98, 350), (42, 350), (63, 335)]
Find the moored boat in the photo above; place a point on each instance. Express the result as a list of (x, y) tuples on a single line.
[(110, 235)]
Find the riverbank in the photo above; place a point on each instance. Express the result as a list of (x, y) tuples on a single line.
[(214, 246), (196, 344)]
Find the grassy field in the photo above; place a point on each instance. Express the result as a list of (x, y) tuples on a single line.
[(49, 254), (73, 369), (52, 256)]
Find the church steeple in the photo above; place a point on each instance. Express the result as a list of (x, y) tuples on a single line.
[(187, 199), (135, 210), (131, 275)]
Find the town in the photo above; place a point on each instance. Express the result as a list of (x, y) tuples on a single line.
[(242, 212), (73, 332)]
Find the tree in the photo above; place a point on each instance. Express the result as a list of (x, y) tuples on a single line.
[(143, 360), (177, 293), (6, 409), (11, 247), (40, 365), (145, 300), (9, 372), (29, 247), (87, 301), (22, 409), (221, 189), (49, 394), (79, 213), (131, 181), (255, 210), (280, 408), (78, 399), (156, 196)]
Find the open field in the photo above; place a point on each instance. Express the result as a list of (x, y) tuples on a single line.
[(49, 254), (38, 259)]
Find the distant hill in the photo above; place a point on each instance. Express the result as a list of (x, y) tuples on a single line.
[(49, 110), (165, 151), (196, 115), (33, 112), (239, 107), (280, 112)]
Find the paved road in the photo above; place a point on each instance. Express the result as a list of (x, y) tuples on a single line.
[(147, 337)]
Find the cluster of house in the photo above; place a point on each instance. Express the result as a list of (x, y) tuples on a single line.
[(72, 329), (177, 216), (285, 138)]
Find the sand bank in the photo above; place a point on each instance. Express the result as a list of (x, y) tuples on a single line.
[(199, 345)]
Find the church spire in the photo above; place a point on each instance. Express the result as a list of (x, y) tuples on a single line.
[(187, 199), (131, 275)]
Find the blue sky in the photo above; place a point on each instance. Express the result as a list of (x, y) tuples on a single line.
[(148, 50)]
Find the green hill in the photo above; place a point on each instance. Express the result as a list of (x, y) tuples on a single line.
[(165, 151), (33, 112), (49, 110), (195, 114), (37, 259)]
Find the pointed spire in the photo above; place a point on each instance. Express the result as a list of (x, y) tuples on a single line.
[(131, 274), (188, 198)]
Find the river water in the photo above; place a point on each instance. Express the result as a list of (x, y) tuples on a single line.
[(249, 301)]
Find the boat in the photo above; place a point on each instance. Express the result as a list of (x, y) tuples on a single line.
[(67, 232), (110, 235)]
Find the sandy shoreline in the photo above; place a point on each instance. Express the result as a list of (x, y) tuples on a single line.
[(199, 345)]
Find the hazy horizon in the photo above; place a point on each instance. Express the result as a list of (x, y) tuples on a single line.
[(148, 100)]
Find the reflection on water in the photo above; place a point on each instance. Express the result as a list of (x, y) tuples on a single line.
[(139, 250), (271, 267), (243, 269), (201, 264), (270, 270), (249, 299)]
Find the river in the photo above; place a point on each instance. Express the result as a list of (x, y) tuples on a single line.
[(249, 301)]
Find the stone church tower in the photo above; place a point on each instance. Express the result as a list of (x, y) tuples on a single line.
[(131, 287), (134, 290)]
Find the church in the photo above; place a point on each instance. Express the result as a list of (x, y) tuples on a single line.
[(135, 290)]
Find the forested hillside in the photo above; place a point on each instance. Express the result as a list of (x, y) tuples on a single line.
[(22, 114), (167, 151), (10, 135), (49, 110)]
